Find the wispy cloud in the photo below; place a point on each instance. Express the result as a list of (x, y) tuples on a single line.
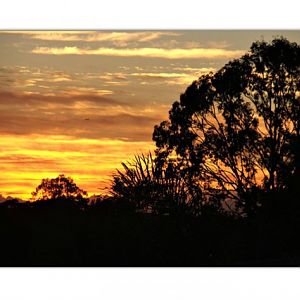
[(45, 81), (12, 99), (119, 38), (175, 78), (195, 53), (77, 115), (158, 75)]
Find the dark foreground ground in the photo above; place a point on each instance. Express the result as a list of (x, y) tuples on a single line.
[(109, 235)]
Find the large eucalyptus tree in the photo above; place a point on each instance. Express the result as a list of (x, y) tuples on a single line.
[(237, 130)]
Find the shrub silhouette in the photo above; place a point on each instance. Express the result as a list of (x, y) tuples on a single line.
[(156, 187)]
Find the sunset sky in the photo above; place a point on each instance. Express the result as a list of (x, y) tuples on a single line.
[(80, 102)]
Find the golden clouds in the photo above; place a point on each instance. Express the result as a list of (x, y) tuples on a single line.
[(85, 91), (193, 53), (82, 124), (117, 38), (158, 75), (187, 76), (81, 102), (77, 111)]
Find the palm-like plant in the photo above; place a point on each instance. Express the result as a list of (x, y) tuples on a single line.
[(156, 186)]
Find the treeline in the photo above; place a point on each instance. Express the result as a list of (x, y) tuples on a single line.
[(110, 232)]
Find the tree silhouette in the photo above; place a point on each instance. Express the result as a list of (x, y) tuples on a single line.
[(235, 129), (61, 187)]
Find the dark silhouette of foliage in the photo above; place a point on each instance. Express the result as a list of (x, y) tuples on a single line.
[(61, 187), (155, 187), (234, 129), (112, 233)]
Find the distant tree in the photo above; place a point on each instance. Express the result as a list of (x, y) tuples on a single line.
[(238, 130), (11, 203), (61, 187)]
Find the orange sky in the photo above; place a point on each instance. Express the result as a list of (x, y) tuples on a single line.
[(81, 102)]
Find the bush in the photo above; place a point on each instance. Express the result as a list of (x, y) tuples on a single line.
[(156, 186)]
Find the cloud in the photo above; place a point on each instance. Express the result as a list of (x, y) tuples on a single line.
[(20, 76), (79, 115), (66, 98), (115, 126), (49, 82), (118, 38), (112, 76), (165, 78), (88, 91), (158, 75), (189, 76), (194, 70), (195, 53), (218, 44)]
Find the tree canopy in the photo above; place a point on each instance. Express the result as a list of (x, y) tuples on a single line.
[(58, 188), (237, 130)]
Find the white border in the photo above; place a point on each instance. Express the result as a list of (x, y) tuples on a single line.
[(171, 283), (149, 284), (154, 14)]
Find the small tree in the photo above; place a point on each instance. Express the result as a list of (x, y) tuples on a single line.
[(61, 187)]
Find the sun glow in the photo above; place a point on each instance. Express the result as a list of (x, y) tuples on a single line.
[(27, 159), (80, 102)]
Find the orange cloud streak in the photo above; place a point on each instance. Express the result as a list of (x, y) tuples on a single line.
[(192, 53)]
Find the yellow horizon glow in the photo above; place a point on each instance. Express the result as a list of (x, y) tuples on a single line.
[(89, 162)]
